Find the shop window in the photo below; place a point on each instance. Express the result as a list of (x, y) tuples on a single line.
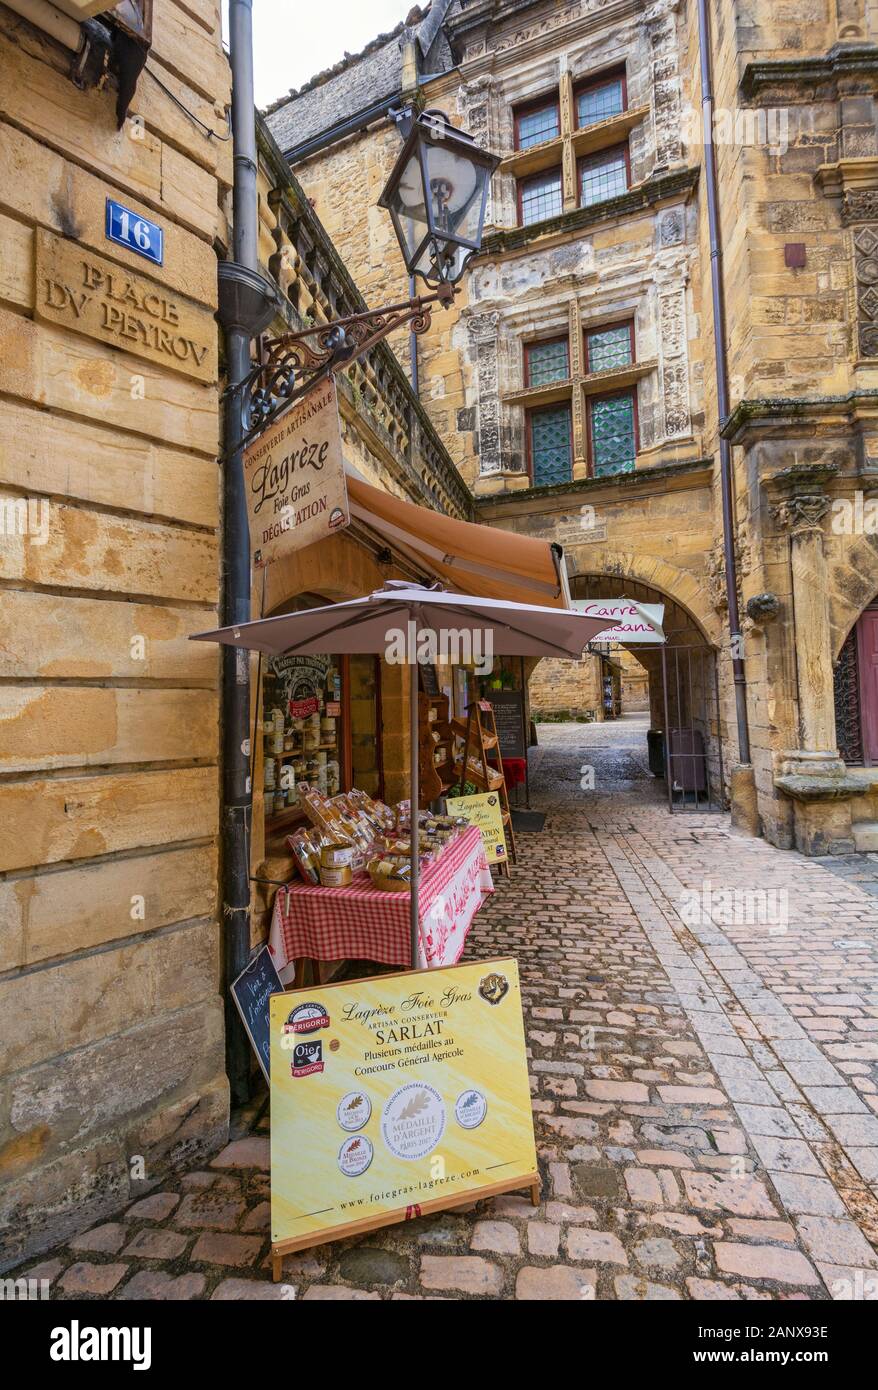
[(550, 436), (600, 99), (306, 713), (545, 362), (539, 197), (536, 122), (606, 348), (612, 433), (603, 175)]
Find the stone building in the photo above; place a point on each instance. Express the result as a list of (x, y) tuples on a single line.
[(574, 379), (112, 1037), (112, 1021)]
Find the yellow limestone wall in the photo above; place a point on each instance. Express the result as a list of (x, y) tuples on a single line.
[(111, 1024)]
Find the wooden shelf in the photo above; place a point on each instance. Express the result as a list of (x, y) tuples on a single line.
[(459, 728), (492, 782)]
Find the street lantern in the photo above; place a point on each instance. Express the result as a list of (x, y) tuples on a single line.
[(436, 196)]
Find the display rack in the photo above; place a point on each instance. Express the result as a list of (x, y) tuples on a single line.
[(436, 736), (479, 733)]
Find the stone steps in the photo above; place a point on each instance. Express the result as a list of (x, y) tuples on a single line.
[(865, 833)]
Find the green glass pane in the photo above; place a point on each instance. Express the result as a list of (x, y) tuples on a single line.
[(612, 435), (550, 446), (546, 362), (610, 347)]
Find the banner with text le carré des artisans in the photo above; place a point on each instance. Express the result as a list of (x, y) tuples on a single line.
[(294, 477), (396, 1095)]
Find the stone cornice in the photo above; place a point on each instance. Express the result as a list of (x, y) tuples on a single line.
[(790, 415), (799, 79), (855, 181), (692, 472), (650, 193), (495, 14)]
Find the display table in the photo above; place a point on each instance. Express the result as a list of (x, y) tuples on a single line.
[(365, 923)]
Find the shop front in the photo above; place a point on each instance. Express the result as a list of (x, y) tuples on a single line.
[(331, 738)]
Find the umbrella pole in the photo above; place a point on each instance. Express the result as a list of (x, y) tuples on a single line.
[(413, 806)]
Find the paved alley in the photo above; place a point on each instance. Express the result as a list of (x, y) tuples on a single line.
[(702, 1014)]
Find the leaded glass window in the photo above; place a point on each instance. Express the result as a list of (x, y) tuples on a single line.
[(613, 434), (540, 197), (609, 347), (550, 452), (535, 125), (599, 103), (547, 362), (602, 176)]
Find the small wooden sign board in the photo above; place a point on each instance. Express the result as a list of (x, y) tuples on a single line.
[(396, 1096), (508, 707), (251, 991)]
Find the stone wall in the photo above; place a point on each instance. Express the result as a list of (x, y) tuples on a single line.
[(112, 1032)]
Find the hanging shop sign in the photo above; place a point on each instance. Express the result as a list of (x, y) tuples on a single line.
[(394, 1096), (485, 811), (294, 477), (86, 292), (626, 622)]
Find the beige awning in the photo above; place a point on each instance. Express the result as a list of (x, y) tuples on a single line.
[(469, 558)]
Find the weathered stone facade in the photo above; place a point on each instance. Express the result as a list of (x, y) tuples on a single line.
[(797, 152), (112, 1035), (110, 1010)]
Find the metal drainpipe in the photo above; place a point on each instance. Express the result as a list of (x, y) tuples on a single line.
[(722, 382), (413, 346), (237, 792)]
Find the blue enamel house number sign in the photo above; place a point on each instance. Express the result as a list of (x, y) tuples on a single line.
[(137, 233)]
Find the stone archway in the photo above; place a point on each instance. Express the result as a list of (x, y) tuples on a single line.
[(682, 699), (635, 575)]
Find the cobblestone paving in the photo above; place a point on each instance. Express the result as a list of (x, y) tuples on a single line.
[(704, 1072)]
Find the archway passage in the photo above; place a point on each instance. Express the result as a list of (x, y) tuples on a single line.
[(856, 691), (654, 707)]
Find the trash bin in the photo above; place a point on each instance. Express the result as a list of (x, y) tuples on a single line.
[(655, 745), (689, 763)]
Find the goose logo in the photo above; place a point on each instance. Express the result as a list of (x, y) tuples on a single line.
[(307, 1059)]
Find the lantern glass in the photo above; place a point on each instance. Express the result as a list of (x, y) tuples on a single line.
[(458, 189), (436, 196)]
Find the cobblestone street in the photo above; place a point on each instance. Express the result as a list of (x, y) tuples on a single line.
[(705, 1084)]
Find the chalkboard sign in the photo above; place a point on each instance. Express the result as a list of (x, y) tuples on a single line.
[(509, 717), (251, 993), (429, 679)]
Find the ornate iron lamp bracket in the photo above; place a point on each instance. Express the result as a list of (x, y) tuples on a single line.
[(296, 362)]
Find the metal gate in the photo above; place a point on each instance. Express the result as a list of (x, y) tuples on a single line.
[(686, 750)]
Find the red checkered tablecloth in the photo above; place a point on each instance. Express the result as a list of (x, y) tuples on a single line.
[(364, 923)]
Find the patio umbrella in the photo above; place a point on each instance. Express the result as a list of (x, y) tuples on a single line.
[(363, 626)]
